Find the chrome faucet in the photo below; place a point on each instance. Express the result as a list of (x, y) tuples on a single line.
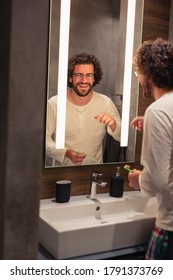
[(96, 180)]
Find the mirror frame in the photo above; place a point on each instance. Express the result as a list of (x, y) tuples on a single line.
[(134, 88)]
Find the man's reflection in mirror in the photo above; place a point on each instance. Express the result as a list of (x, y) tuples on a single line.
[(89, 116)]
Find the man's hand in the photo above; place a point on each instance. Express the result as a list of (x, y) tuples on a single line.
[(107, 119), (134, 179), (138, 123), (76, 158)]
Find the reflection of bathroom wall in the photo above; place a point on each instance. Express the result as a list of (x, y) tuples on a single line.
[(94, 28)]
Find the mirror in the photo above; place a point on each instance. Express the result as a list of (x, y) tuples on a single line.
[(98, 27)]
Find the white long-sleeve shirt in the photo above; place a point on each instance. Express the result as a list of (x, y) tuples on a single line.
[(157, 158), (83, 131)]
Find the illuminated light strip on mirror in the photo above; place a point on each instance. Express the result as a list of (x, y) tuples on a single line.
[(128, 72), (62, 72)]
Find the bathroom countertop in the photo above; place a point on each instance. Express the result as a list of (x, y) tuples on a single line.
[(131, 253)]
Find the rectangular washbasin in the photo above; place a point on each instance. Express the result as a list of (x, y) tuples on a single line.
[(82, 226)]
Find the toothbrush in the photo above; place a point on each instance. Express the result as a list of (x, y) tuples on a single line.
[(79, 153), (127, 167)]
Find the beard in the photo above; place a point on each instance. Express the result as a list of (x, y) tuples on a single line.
[(79, 93), (147, 90)]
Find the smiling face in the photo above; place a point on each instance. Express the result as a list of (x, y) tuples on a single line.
[(83, 79)]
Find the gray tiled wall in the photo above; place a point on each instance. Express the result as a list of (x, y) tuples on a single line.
[(23, 70)]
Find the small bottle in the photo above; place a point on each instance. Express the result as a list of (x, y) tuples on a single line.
[(116, 184)]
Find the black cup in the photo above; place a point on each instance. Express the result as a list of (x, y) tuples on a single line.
[(63, 189), (116, 186)]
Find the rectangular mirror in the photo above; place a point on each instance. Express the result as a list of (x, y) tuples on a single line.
[(99, 27)]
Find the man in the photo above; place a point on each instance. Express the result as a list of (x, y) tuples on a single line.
[(89, 115), (153, 63)]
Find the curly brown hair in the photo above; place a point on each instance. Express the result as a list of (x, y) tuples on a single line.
[(154, 60), (84, 58)]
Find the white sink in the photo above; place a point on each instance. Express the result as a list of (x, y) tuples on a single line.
[(82, 226)]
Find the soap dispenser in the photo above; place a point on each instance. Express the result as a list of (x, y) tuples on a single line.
[(116, 184)]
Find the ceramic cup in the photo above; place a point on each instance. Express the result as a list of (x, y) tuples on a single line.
[(63, 189)]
